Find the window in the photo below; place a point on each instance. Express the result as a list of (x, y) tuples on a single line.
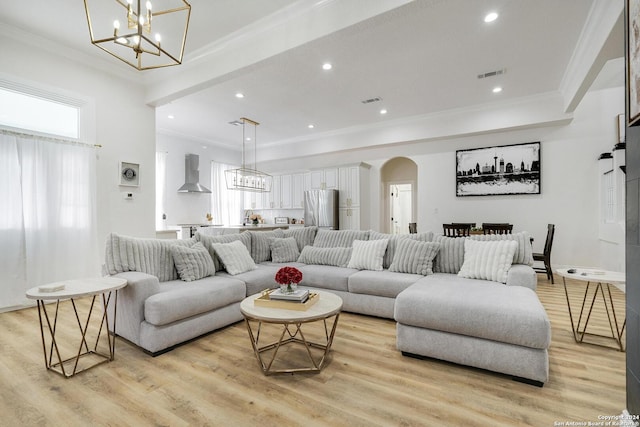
[(226, 206), (32, 113)]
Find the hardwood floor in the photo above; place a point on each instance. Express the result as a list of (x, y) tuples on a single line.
[(215, 381)]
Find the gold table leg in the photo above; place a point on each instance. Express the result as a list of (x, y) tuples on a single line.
[(579, 334), (49, 324), (287, 336)]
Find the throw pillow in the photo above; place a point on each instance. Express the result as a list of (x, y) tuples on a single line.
[(338, 257), (261, 244), (488, 260), (338, 238), (368, 254), (208, 241), (451, 254), (414, 256), (192, 263), (524, 252), (235, 257), (284, 250), (304, 236), (393, 238)]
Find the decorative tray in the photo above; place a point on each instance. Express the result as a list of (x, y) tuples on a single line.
[(264, 301)]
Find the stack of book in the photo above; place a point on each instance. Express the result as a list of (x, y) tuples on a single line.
[(299, 295)]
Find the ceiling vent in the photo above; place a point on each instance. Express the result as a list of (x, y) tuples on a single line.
[(370, 100), (492, 73)]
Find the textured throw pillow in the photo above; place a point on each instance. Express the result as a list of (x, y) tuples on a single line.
[(208, 241), (192, 263), (338, 238), (524, 252), (338, 257), (450, 256), (368, 254), (488, 260), (413, 256), (261, 244), (284, 250), (235, 257), (304, 236), (393, 239)]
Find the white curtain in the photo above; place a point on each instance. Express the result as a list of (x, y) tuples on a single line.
[(226, 205), (161, 189), (48, 227)]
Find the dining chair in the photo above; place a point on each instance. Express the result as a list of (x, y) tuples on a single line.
[(545, 257), (457, 229), (496, 228), (413, 228)]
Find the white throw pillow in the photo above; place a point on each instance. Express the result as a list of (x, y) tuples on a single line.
[(368, 254), (284, 250), (235, 257), (488, 260)]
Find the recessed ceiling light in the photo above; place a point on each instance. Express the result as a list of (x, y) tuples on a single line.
[(239, 95), (170, 116), (497, 89), (383, 111), (491, 17), (311, 126), (327, 66)]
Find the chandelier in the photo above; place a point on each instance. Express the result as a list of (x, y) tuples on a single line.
[(145, 35), (246, 178)]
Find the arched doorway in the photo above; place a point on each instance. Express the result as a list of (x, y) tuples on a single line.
[(399, 179)]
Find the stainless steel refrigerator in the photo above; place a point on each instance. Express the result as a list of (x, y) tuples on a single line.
[(321, 209)]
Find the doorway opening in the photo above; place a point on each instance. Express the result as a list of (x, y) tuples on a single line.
[(399, 189)]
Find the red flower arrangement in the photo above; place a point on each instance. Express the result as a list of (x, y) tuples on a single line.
[(288, 275)]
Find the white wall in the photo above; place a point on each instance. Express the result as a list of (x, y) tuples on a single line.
[(189, 208), (569, 196), (124, 126)]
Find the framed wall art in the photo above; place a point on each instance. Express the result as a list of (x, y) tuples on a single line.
[(633, 63), (500, 170), (129, 174)]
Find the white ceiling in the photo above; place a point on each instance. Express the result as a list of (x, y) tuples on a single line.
[(420, 57)]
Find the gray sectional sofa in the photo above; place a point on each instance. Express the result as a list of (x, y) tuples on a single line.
[(498, 325)]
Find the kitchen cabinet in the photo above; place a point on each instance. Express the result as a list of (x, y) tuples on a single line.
[(285, 192), (324, 179), (297, 190), (353, 186)]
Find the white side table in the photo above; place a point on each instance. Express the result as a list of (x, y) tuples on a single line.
[(74, 289), (602, 281)]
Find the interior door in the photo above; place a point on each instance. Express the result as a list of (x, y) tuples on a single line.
[(400, 207)]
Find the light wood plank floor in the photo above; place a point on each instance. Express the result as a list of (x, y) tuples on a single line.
[(215, 381)]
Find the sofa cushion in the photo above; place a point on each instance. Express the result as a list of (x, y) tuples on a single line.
[(381, 283), (208, 241), (489, 260), (304, 235), (393, 241), (234, 256), (178, 300), (478, 308), (192, 263), (326, 277), (151, 256), (338, 238), (338, 257), (261, 244), (368, 255), (263, 277), (524, 251), (413, 256), (284, 250)]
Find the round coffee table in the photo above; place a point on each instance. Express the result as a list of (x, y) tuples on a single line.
[(602, 280), (326, 309)]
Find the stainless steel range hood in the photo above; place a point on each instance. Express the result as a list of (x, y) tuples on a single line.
[(192, 176)]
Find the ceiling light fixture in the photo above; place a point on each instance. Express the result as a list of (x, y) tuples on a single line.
[(327, 66), (171, 116), (246, 178), (239, 95), (135, 44), (491, 17), (383, 111), (311, 126), (497, 89)]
